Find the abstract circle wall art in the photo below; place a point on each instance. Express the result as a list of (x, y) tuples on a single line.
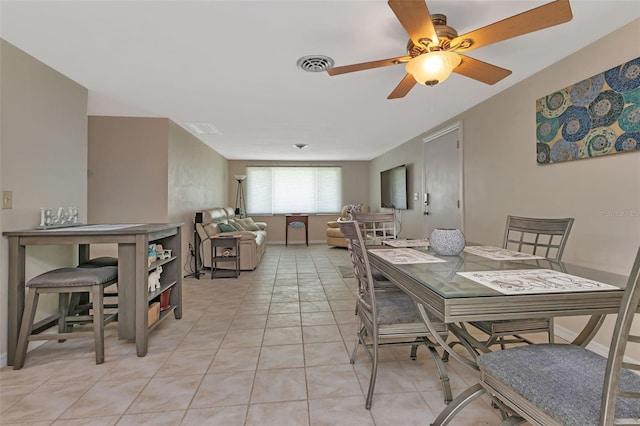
[(595, 117)]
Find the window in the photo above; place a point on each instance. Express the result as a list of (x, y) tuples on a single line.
[(281, 190)]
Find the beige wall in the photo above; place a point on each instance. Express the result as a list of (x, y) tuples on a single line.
[(128, 169), (410, 153), (355, 189), (43, 158), (501, 175), (150, 170), (197, 179)]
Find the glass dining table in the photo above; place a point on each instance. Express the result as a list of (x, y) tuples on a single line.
[(449, 288)]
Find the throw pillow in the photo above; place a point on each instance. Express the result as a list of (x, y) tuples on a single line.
[(237, 224), (225, 227), (249, 224), (351, 209)]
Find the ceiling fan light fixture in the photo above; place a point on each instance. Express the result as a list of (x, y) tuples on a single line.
[(434, 67)]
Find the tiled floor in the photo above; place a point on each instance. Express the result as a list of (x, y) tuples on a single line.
[(269, 348)]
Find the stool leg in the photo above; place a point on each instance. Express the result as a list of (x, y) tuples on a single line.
[(63, 306), (26, 327), (98, 322)]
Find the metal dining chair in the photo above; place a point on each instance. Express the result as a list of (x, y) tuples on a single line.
[(387, 314), (377, 228), (542, 237), (564, 384)]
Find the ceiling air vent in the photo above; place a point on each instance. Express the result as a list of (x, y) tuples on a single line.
[(202, 128), (315, 63)]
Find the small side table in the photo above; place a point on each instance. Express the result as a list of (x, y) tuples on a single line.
[(303, 218), (227, 246)]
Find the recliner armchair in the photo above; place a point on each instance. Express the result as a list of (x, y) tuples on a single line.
[(334, 236)]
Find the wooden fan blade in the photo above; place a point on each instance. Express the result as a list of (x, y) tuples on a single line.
[(415, 19), (403, 88), (368, 65), (481, 71), (545, 16)]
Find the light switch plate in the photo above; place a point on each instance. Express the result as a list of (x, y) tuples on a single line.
[(7, 199)]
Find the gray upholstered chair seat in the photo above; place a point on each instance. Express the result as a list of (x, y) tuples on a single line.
[(396, 307), (565, 381), (75, 277), (98, 262)]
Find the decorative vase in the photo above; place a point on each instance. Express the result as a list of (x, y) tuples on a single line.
[(447, 242)]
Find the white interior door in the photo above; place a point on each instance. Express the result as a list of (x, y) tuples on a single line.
[(443, 192)]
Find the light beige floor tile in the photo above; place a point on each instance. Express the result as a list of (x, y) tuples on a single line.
[(248, 322), (317, 318), (345, 411), (280, 413), (284, 307), (242, 339), (346, 317), (223, 389), (477, 413), (166, 394), (88, 421), (218, 416), (134, 367), (321, 333), (332, 381), (282, 336), (10, 395), (158, 418), (400, 409), (287, 384), (185, 363), (235, 359), (47, 402), (202, 339), (283, 320), (329, 353), (282, 356), (249, 308), (391, 378), (106, 398)]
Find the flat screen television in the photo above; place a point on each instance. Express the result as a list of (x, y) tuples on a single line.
[(393, 188)]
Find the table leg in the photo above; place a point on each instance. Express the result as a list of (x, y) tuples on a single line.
[(306, 233), (126, 291), (589, 331), (16, 290), (141, 295), (286, 234)]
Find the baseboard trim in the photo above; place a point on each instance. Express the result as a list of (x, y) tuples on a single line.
[(599, 348)]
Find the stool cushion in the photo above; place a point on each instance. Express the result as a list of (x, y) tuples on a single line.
[(99, 261), (71, 277)]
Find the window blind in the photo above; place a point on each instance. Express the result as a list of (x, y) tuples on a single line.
[(281, 190)]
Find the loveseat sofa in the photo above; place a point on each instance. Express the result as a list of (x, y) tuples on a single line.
[(253, 236)]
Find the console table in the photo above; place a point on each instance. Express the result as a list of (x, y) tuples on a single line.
[(133, 269), (302, 218)]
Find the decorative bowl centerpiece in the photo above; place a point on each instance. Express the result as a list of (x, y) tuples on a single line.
[(447, 242)]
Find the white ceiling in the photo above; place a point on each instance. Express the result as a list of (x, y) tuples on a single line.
[(233, 64)]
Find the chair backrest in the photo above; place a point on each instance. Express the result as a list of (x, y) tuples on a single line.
[(376, 227), (356, 246), (542, 237), (620, 343)]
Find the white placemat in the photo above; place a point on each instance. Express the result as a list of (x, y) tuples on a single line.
[(530, 281), (497, 253), (405, 256), (407, 243)]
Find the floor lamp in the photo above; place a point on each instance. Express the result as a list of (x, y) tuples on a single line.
[(241, 207)]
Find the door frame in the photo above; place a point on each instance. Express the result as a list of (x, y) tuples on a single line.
[(454, 127)]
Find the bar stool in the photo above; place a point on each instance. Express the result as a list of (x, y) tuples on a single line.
[(65, 281), (80, 301)]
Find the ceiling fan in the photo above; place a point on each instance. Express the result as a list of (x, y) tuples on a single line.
[(433, 48)]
